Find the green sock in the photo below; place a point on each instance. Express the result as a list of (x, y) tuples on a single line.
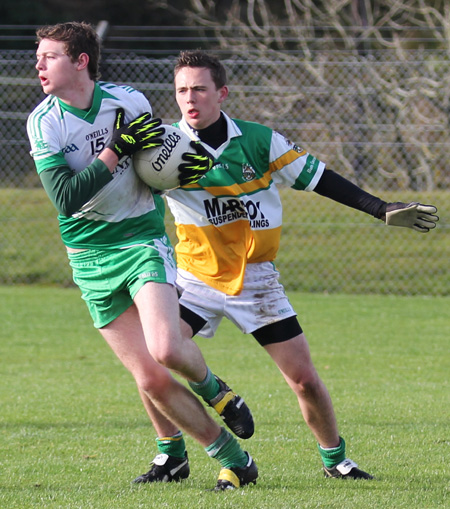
[(227, 451), (173, 446), (332, 457), (208, 389)]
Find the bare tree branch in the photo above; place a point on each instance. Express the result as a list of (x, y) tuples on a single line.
[(340, 47)]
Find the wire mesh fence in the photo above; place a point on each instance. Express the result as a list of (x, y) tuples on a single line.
[(381, 120)]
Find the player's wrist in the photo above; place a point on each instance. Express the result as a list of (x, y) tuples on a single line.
[(109, 157), (382, 212)]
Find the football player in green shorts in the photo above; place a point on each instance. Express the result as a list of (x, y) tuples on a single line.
[(82, 138), (228, 227)]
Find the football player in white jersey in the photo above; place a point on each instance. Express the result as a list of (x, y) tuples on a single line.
[(82, 138), (228, 228)]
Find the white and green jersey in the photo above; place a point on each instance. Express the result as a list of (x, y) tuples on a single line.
[(123, 211), (233, 215)]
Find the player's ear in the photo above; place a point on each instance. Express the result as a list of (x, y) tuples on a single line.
[(83, 61), (223, 93)]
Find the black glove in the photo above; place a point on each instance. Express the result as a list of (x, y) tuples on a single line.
[(196, 165), (141, 133), (411, 215)]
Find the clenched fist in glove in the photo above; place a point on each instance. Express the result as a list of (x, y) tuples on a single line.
[(196, 165), (141, 133), (411, 215)]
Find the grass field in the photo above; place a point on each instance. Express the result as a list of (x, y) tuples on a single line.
[(325, 247), (73, 433)]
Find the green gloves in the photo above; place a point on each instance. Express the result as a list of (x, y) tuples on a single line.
[(412, 215), (141, 133), (196, 165)]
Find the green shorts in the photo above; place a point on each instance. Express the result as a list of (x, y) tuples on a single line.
[(109, 279)]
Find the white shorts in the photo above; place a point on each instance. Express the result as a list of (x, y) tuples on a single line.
[(261, 302)]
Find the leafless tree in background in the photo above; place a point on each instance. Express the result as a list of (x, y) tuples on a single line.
[(321, 36)]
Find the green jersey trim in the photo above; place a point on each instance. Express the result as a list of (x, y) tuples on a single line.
[(91, 114), (35, 126), (50, 162), (83, 233), (306, 176)]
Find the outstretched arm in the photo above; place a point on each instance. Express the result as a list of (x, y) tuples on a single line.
[(419, 217)]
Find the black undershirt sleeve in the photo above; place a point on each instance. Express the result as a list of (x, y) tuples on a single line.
[(337, 188), (68, 191)]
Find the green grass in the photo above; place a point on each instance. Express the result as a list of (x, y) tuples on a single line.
[(325, 247), (73, 432)]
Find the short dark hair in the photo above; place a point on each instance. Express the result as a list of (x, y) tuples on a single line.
[(199, 58), (79, 37)]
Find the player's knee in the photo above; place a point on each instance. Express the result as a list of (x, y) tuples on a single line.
[(308, 385), (156, 382), (309, 388), (169, 358)]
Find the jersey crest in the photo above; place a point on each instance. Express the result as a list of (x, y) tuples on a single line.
[(248, 173)]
